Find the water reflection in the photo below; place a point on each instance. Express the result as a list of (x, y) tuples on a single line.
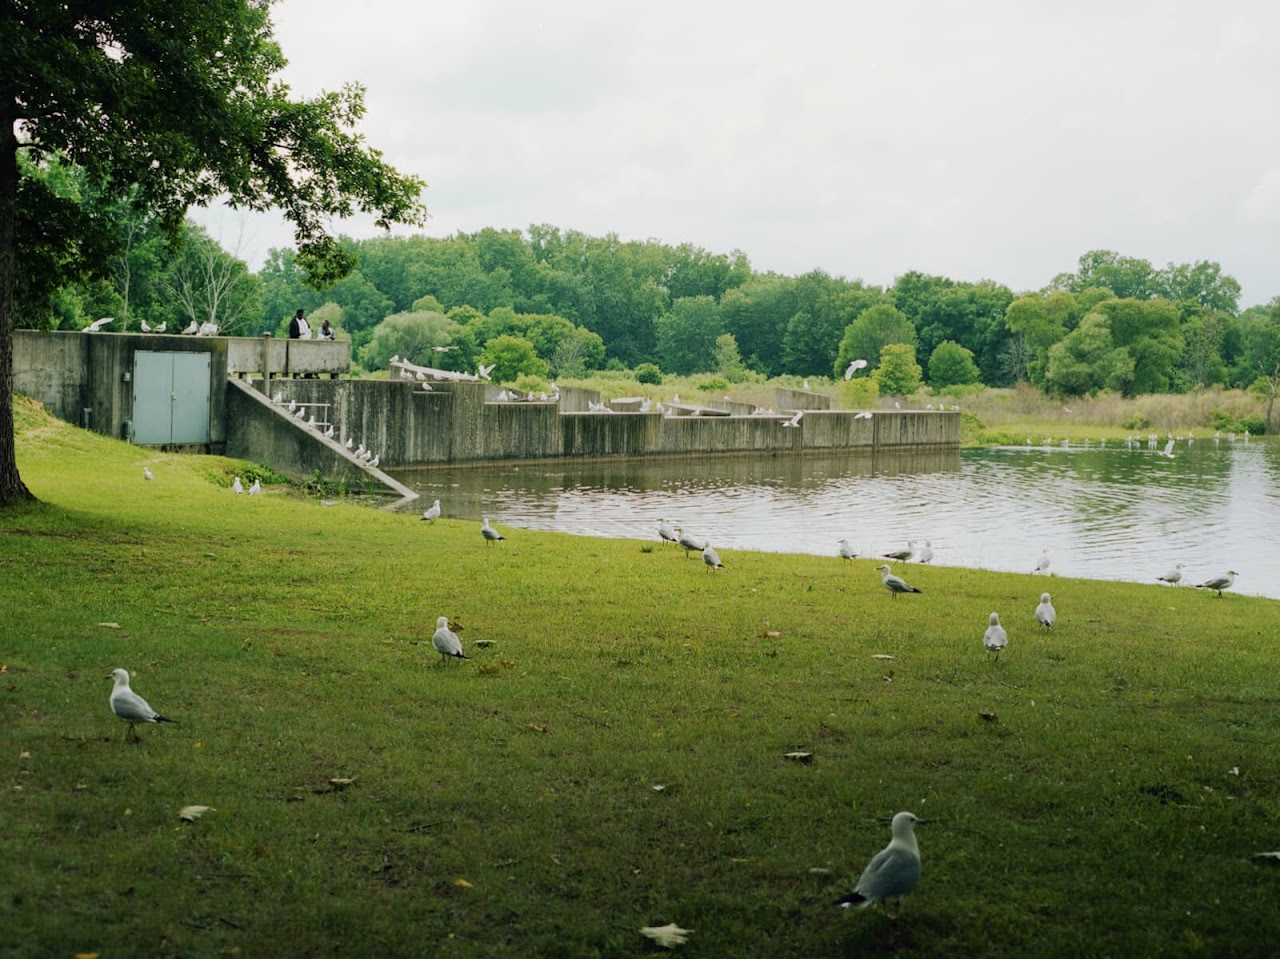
[(1111, 513)]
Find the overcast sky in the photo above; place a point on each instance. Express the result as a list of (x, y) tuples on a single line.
[(996, 139)]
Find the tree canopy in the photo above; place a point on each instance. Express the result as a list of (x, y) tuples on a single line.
[(165, 106)]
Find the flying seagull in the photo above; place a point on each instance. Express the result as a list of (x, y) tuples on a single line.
[(490, 534), (995, 638), (1046, 615), (1174, 576), (433, 513), (446, 641), (1219, 583), (895, 584), (711, 558), (846, 551), (795, 420), (484, 371), (97, 325), (853, 368), (893, 872), (1167, 452), (129, 706)]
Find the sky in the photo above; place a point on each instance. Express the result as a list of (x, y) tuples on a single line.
[(973, 139)]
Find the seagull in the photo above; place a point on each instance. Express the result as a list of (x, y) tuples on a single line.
[(926, 554), (278, 398), (490, 534), (97, 325), (191, 328), (864, 415), (1046, 615), (442, 349), (1219, 583), (367, 455), (711, 558), (853, 368), (1167, 452), (373, 463), (302, 411), (1043, 565), (687, 542), (328, 433), (394, 360), (902, 554), (359, 449), (895, 584), (147, 474), (846, 551), (432, 514), (1174, 576), (311, 420), (795, 420), (446, 641), (160, 328), (293, 406), (995, 638), (806, 386), (129, 706), (208, 329), (237, 487), (666, 533), (893, 872), (256, 488), (351, 440), (144, 326), (484, 371)]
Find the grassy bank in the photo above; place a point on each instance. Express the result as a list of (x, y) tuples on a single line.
[(1099, 791)]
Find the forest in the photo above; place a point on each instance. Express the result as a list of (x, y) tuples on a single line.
[(552, 302)]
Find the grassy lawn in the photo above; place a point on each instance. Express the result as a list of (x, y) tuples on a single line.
[(1101, 790)]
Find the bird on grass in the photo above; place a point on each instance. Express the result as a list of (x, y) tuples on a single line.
[(686, 542), (666, 533), (237, 487), (711, 558), (902, 554), (129, 706), (995, 638), (147, 474), (1046, 615), (433, 513), (1174, 576), (893, 872), (446, 641), (1219, 583), (846, 551), (256, 488), (895, 584), (490, 534)]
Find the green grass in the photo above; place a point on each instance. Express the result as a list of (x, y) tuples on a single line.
[(1081, 793)]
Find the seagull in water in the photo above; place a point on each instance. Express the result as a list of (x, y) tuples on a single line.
[(1043, 565), (895, 584), (1219, 583), (432, 514), (129, 706), (893, 872), (995, 638), (1167, 452), (490, 534), (1046, 615), (711, 558), (1174, 576), (846, 551), (237, 487), (446, 641), (666, 533)]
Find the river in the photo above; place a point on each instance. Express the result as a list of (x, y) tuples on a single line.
[(1113, 512)]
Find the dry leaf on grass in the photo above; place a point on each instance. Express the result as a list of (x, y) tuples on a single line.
[(462, 883), (109, 626), (800, 757), (771, 634), (192, 813), (669, 935), (881, 656)]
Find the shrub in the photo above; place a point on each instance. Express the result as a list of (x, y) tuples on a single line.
[(648, 373), (1139, 421), (714, 385)]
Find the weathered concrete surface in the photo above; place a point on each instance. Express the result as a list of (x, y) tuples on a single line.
[(285, 357), (263, 432), (789, 399)]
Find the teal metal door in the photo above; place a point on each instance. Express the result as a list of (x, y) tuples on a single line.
[(170, 398)]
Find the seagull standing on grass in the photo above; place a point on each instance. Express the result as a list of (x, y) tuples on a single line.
[(902, 554), (1219, 583), (846, 551), (147, 474), (1174, 576), (711, 558), (895, 584), (129, 706), (893, 872), (687, 542), (256, 488), (1046, 615), (237, 487), (490, 534), (666, 533), (433, 513), (995, 638), (446, 641)]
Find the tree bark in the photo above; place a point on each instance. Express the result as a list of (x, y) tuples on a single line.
[(12, 489)]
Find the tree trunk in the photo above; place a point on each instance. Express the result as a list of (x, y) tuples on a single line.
[(12, 489)]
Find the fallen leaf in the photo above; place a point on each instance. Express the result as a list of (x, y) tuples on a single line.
[(819, 871), (888, 677), (1267, 855), (771, 634), (659, 788), (669, 935), (24, 755), (483, 643), (87, 955), (110, 625), (989, 717), (799, 757), (540, 728), (192, 813), (881, 656), (462, 883), (1234, 770), (342, 783)]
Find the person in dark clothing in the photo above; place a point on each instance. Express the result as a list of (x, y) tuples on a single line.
[(297, 325)]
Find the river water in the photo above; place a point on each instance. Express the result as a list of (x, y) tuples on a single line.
[(1113, 512)]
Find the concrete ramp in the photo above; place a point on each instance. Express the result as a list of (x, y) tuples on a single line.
[(264, 432)]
